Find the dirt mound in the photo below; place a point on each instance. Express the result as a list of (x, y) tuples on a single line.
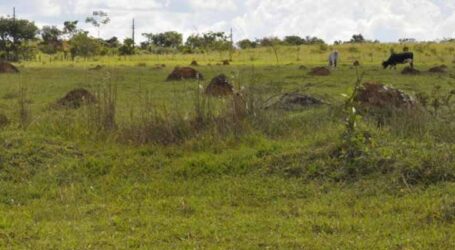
[(320, 71), (159, 66), (6, 67), (226, 62), (356, 63), (439, 69), (184, 73), (377, 95), (219, 86), (75, 98), (97, 67), (194, 63), (410, 71), (293, 101)]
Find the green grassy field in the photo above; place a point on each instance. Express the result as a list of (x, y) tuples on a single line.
[(269, 181)]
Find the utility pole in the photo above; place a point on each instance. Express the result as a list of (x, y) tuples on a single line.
[(134, 33), (14, 13), (231, 49)]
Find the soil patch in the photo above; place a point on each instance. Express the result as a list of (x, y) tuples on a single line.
[(96, 68), (76, 98), (320, 71), (184, 73), (159, 66), (410, 71), (293, 101), (219, 86), (377, 95), (439, 69), (6, 67)]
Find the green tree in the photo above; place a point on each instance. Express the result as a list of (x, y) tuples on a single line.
[(148, 43), (357, 38), (209, 41), (70, 28), (83, 45), (52, 42), (98, 19), (112, 42), (14, 34), (127, 48), (246, 44), (269, 41), (272, 42), (170, 39), (294, 40), (313, 40), (194, 42)]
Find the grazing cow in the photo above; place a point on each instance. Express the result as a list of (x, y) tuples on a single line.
[(400, 58), (333, 59)]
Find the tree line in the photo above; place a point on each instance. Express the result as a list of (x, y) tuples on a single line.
[(22, 39)]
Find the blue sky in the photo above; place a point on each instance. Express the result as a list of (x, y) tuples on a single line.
[(386, 20)]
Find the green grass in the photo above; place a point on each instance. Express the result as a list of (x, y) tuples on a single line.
[(268, 184)]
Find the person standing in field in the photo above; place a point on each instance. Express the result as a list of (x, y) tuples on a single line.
[(333, 59)]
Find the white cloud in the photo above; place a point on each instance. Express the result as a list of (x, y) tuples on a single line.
[(48, 8), (331, 20), (339, 19), (225, 5), (87, 6)]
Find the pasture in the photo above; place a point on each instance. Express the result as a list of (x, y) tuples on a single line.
[(158, 165)]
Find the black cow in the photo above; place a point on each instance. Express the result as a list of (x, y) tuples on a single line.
[(400, 58)]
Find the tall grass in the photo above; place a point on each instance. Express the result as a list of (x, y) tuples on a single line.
[(24, 110), (158, 124), (101, 115), (181, 116)]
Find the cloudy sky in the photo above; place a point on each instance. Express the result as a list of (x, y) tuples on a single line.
[(386, 20)]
